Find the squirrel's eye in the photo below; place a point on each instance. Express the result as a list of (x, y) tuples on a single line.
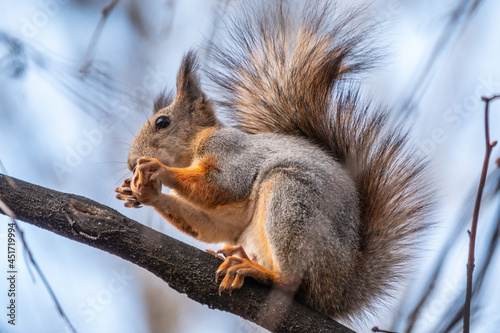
[(162, 122)]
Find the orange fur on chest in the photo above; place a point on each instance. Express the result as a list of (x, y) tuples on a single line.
[(196, 183)]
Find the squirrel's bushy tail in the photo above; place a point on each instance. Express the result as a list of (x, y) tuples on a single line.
[(283, 75)]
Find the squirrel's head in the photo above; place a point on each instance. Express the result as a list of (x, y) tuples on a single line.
[(172, 133)]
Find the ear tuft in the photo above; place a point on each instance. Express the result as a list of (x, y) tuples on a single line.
[(163, 100), (188, 84)]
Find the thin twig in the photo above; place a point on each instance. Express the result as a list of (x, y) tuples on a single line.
[(87, 60), (455, 315), (42, 276), (447, 248), (475, 216), (376, 329), (459, 18)]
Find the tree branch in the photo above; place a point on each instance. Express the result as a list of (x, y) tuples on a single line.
[(185, 268)]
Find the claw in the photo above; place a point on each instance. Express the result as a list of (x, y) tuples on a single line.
[(215, 254), (220, 290), (123, 191), (124, 188), (218, 274), (238, 281), (225, 286)]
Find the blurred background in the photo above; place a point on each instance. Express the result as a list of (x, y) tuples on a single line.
[(77, 83)]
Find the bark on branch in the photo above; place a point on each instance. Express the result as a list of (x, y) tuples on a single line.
[(185, 268)]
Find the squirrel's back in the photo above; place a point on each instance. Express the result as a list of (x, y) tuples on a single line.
[(282, 75)]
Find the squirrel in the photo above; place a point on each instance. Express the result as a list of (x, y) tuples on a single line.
[(309, 189)]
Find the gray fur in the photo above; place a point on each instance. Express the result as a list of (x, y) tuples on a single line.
[(313, 213)]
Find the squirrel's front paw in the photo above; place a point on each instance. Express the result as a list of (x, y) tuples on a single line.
[(144, 188), (124, 192), (151, 169)]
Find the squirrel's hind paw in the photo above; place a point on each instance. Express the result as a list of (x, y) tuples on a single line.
[(235, 269)]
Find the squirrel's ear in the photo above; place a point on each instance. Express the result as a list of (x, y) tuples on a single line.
[(188, 84)]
